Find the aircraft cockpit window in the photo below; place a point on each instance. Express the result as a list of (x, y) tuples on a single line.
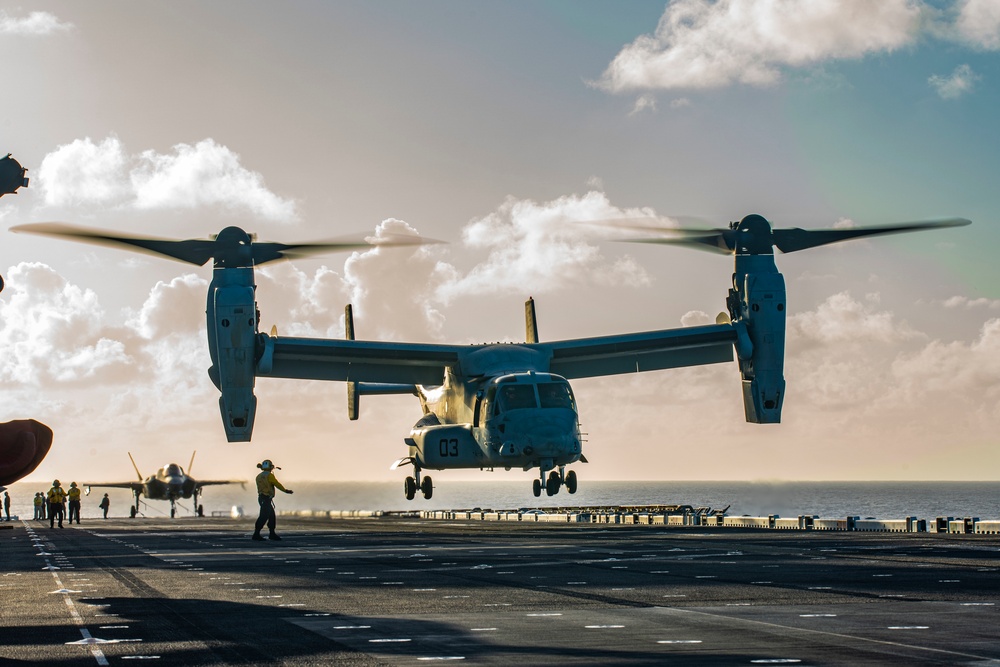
[(517, 396), (556, 395)]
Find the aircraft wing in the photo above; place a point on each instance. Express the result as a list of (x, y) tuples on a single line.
[(213, 482), (135, 486), (358, 361), (639, 352), (425, 364)]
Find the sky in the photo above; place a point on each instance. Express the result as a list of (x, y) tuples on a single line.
[(501, 128)]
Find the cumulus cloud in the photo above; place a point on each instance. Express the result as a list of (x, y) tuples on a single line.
[(34, 24), (978, 23), (842, 318), (543, 246), (966, 302), (205, 174), (52, 331), (643, 103), (376, 279), (701, 44), (172, 307), (958, 83), (696, 318)]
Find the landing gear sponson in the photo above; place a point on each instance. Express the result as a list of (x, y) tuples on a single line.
[(554, 481)]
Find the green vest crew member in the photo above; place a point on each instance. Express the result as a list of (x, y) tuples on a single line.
[(74, 502), (56, 497), (266, 484), (6, 504)]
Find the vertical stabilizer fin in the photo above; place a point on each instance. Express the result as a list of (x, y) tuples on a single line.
[(191, 465), (138, 474), (530, 323), (353, 397)]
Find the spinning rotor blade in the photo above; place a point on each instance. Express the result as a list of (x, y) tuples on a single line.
[(269, 252), (194, 251), (791, 240), (754, 235), (231, 247)]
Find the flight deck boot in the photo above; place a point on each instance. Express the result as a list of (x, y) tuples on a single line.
[(257, 537), (274, 536)]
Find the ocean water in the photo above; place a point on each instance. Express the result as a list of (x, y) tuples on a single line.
[(883, 500)]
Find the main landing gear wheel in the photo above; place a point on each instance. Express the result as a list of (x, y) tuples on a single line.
[(571, 481), (427, 488), (553, 483), (132, 512), (536, 487), (410, 488)]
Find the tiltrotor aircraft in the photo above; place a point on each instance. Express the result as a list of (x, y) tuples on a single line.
[(495, 405), (169, 483)]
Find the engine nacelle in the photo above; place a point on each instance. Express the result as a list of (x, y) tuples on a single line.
[(235, 335), (445, 446), (763, 311)]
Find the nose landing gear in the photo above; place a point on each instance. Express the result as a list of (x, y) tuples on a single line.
[(411, 484), (554, 480)]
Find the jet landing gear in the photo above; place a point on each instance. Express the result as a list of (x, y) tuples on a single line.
[(554, 481), (410, 485), (134, 510)]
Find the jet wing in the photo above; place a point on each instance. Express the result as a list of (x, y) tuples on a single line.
[(213, 482), (135, 486), (639, 352), (358, 361)]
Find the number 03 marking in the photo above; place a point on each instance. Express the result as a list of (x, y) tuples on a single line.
[(448, 447)]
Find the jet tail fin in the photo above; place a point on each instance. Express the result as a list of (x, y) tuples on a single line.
[(138, 474), (191, 465)]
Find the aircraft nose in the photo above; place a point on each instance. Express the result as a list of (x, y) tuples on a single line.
[(547, 433)]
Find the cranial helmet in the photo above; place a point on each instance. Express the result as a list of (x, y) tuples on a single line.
[(72, 484), (55, 482), (266, 464)]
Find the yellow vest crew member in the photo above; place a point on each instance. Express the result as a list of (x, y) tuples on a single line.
[(56, 499), (74, 503), (266, 484), (39, 501)]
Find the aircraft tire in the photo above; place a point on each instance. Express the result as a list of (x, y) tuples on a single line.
[(131, 512), (173, 512), (571, 481), (427, 487), (536, 487), (553, 483), (410, 488)]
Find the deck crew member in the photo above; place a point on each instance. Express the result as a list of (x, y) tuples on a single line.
[(266, 484), (56, 497), (74, 502), (105, 505), (39, 503)]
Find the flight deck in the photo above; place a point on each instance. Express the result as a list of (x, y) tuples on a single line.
[(401, 590)]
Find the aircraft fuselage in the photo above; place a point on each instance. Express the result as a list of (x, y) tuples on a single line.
[(523, 419)]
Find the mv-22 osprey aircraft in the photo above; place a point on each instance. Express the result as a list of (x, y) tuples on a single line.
[(494, 405), (169, 483)]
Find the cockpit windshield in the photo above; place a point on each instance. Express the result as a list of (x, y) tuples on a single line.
[(517, 397), (172, 470), (556, 395)]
